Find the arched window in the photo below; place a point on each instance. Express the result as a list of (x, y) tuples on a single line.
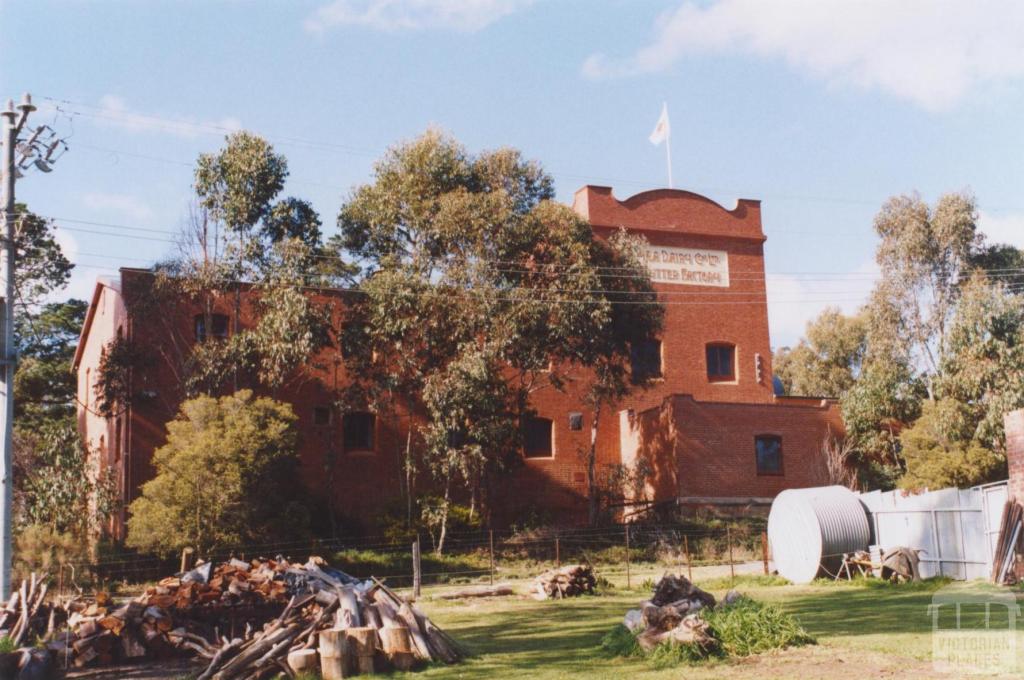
[(358, 432), (768, 452), (721, 359), (537, 439), (218, 327)]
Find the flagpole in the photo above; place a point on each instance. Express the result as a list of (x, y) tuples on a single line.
[(668, 156)]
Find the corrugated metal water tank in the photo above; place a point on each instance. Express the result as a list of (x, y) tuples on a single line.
[(811, 528)]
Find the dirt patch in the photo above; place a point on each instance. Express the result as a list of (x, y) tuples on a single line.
[(818, 662)]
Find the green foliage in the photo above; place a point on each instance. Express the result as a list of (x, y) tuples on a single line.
[(53, 482), (619, 641), (40, 548), (938, 455), (45, 385), (7, 645), (827, 361), (475, 284), (222, 478), (112, 385), (750, 627), (743, 628), (42, 265), (237, 184), (982, 365)]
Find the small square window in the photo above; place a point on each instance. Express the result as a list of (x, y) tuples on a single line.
[(768, 449), (358, 432), (218, 327), (575, 422), (321, 415), (721, 363), (537, 438), (645, 359)]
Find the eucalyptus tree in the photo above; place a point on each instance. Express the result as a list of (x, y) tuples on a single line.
[(476, 290)]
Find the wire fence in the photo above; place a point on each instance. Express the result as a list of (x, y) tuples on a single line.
[(481, 556)]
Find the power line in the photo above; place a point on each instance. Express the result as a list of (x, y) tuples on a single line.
[(171, 124)]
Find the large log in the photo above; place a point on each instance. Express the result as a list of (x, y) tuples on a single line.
[(477, 591), (334, 655)]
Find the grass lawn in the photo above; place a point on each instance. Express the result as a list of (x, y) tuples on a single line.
[(865, 631)]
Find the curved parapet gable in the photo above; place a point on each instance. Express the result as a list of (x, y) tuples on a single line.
[(670, 210)]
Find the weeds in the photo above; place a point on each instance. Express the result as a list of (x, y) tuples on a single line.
[(749, 627), (743, 628)]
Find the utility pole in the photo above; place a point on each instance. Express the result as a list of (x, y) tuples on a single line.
[(40, 149)]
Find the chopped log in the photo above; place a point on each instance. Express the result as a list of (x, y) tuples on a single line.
[(419, 641), (334, 655), (303, 660), (395, 640), (348, 612)]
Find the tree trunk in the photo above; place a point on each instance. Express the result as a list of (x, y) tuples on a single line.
[(444, 515), (592, 500)]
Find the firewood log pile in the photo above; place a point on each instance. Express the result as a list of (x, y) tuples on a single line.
[(255, 620), (568, 581), (671, 614)]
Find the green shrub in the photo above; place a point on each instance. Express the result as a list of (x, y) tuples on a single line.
[(7, 645), (749, 627), (619, 641), (743, 628), (42, 549)]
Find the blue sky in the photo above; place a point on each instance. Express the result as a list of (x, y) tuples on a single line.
[(821, 110)]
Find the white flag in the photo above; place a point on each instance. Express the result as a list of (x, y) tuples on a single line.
[(662, 129)]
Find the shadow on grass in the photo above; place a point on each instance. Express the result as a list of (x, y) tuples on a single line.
[(543, 637)]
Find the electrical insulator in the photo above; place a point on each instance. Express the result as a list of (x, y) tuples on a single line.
[(758, 367)]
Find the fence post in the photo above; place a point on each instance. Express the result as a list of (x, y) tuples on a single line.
[(491, 573), (689, 563), (417, 574), (728, 538), (764, 550), (628, 580), (558, 554)]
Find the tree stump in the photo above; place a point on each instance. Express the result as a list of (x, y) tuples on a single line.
[(335, 655), (362, 643)]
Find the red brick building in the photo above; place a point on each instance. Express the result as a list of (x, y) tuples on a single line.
[(710, 430)]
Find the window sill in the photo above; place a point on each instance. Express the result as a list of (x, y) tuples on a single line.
[(529, 458), (361, 452)]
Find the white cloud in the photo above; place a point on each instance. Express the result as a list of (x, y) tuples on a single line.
[(1002, 228), (793, 300), (113, 111), (411, 15), (930, 52), (83, 279), (127, 205)]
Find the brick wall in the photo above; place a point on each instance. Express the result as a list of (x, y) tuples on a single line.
[(1014, 422), (700, 444)]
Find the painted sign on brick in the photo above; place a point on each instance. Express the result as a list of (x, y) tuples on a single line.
[(688, 266)]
